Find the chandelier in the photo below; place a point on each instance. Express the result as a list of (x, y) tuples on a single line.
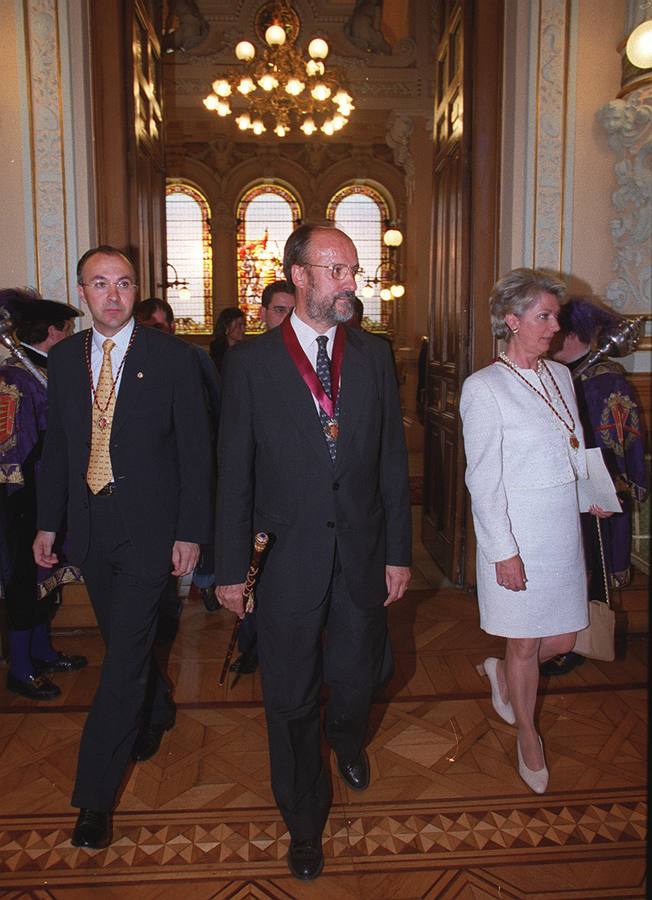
[(281, 89)]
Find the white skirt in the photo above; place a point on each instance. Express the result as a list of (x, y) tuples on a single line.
[(546, 526)]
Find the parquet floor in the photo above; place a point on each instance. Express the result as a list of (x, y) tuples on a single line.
[(446, 815)]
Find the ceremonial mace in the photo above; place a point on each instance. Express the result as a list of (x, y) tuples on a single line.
[(260, 543), (619, 341), (8, 339)]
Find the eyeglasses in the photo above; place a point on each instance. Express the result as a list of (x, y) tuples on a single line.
[(101, 285), (338, 271)]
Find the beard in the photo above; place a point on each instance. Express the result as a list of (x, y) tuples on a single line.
[(324, 308)]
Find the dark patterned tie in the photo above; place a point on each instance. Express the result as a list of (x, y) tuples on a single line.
[(323, 369)]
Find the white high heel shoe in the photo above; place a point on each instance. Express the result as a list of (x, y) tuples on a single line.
[(504, 710), (536, 779)]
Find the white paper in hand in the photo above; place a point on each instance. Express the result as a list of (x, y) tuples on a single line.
[(598, 489)]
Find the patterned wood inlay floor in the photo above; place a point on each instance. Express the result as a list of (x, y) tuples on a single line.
[(446, 815)]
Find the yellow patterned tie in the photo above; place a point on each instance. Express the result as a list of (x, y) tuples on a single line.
[(99, 472)]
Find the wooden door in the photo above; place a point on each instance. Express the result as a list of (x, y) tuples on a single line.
[(128, 123), (464, 250)]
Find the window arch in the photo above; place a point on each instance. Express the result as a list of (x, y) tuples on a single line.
[(190, 258), (267, 214), (362, 212)]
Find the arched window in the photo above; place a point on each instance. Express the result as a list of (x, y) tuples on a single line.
[(190, 258), (363, 214), (267, 215)]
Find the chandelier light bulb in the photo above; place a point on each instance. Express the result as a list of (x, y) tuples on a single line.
[(222, 87), (184, 293), (318, 48), (321, 91), (385, 294), (246, 86), (211, 102), (392, 238), (309, 126), (367, 291), (397, 290), (294, 87), (223, 108), (327, 127), (275, 35), (245, 51), (313, 67), (268, 82), (639, 46), (342, 98), (257, 126), (244, 121), (339, 121), (280, 130)]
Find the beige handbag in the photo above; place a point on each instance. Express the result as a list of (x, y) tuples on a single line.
[(597, 641)]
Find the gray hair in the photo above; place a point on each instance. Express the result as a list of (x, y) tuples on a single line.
[(516, 291), (297, 247)]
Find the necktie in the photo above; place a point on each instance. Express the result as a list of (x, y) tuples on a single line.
[(323, 369), (99, 472)]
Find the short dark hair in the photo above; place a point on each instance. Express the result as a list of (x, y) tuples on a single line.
[(106, 250), (587, 318), (225, 318), (146, 309), (298, 245), (276, 287)]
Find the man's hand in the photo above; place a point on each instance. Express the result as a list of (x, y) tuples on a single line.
[(510, 573), (42, 549), (397, 579), (599, 512), (231, 596), (185, 557)]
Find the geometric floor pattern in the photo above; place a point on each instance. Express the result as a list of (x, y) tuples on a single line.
[(445, 816)]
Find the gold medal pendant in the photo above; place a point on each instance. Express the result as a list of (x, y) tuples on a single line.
[(103, 423), (332, 429), (574, 442)]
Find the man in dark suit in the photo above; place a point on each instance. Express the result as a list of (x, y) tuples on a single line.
[(311, 450), (127, 457)]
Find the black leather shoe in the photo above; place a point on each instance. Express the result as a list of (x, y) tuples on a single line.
[(36, 687), (246, 663), (149, 738), (210, 600), (92, 829), (562, 664), (63, 663), (305, 859), (356, 773)]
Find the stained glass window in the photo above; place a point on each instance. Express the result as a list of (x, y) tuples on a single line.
[(362, 213), (267, 215), (190, 255)]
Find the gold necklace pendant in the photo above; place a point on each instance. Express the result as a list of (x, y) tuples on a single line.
[(575, 444)]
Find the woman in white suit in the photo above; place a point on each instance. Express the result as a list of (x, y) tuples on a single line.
[(525, 452)]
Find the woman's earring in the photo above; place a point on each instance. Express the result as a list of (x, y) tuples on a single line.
[(515, 330)]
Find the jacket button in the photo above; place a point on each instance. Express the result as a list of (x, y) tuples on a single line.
[(336, 485), (330, 524)]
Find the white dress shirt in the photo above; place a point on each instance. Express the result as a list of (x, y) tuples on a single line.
[(307, 337), (121, 340)]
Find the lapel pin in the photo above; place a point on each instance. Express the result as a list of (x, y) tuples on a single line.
[(139, 374)]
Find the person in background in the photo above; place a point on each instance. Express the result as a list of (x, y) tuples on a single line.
[(30, 594), (156, 313), (229, 330), (525, 452), (358, 314), (276, 303), (611, 421)]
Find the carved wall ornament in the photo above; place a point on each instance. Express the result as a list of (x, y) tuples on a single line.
[(398, 139), (628, 123), (363, 28)]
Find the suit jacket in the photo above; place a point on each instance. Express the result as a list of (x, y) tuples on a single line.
[(275, 474), (513, 443), (160, 448)]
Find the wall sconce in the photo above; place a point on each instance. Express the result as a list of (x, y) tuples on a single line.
[(639, 46), (179, 284)]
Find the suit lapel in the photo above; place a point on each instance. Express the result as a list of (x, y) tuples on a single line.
[(130, 384), (297, 397), (353, 388)]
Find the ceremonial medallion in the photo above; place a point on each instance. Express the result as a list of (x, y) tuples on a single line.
[(102, 423), (574, 442), (332, 429)]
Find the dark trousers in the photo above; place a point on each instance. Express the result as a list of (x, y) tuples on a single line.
[(354, 659), (126, 603), (24, 608)]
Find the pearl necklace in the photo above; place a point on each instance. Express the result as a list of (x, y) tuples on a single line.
[(541, 367)]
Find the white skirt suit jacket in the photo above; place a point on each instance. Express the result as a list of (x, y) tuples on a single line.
[(522, 476)]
